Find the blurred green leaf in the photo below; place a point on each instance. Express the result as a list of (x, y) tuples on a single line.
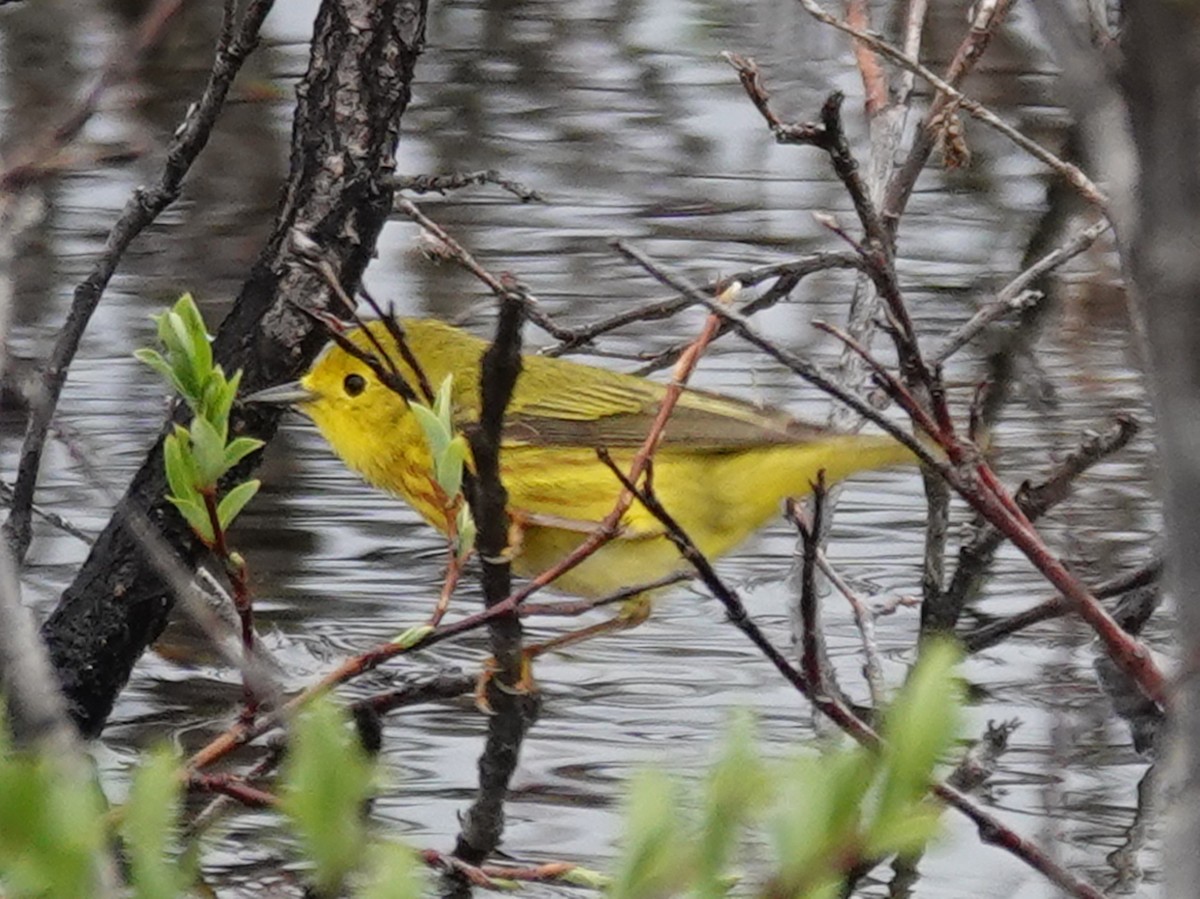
[(738, 786), (150, 828), (654, 859), (799, 822), (235, 500), (326, 779), (51, 831), (586, 877), (906, 835), (394, 872), (918, 730)]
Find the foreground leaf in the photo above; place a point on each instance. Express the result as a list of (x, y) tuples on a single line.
[(326, 779)]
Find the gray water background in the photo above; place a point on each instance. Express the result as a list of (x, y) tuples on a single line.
[(623, 116)]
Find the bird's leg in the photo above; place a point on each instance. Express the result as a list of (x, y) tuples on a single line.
[(633, 612)]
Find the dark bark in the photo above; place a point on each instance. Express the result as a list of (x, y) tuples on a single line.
[(343, 142), (1161, 79), (514, 705)]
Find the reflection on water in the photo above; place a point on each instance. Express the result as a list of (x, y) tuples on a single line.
[(623, 117)]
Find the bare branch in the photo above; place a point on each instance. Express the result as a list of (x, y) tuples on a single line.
[(141, 209)]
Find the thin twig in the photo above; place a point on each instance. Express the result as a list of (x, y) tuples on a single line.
[(971, 478), (1017, 296), (241, 733), (811, 637), (996, 632), (440, 184), (991, 829), (141, 209), (875, 86), (44, 154), (787, 275), (975, 557), (51, 518), (1073, 174), (801, 367), (864, 619)]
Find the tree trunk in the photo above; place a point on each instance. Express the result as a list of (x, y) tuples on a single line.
[(1162, 86), (349, 106)]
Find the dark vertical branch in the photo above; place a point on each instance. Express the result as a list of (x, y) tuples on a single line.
[(513, 704), (489, 503)]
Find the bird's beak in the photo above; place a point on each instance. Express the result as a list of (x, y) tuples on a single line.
[(290, 394)]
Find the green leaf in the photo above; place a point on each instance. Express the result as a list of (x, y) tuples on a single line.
[(177, 462), (197, 336), (218, 400), (187, 327), (441, 403), (239, 448), (907, 835), (168, 336), (149, 826), (326, 779), (394, 873), (654, 859), (437, 436), (195, 513), (208, 449), (156, 361), (208, 407), (182, 377), (465, 525), (235, 500), (799, 823), (448, 467), (817, 810), (230, 392), (184, 359), (413, 635), (586, 877)]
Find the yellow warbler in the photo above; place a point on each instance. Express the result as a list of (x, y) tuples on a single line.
[(722, 470)]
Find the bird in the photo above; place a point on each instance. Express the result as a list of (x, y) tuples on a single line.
[(722, 470)]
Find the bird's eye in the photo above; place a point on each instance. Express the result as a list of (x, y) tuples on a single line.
[(354, 384)]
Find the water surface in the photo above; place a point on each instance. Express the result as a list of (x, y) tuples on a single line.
[(623, 116)]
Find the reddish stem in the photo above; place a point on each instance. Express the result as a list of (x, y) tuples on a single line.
[(242, 600), (234, 788)]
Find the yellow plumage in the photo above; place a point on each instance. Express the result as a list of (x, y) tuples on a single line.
[(722, 470)]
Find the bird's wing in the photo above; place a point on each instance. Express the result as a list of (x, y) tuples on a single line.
[(617, 410)]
